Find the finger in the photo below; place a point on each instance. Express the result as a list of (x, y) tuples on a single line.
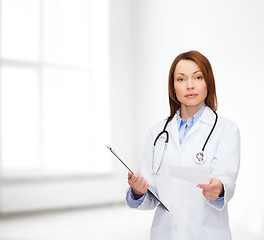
[(146, 186), (129, 175), (204, 186), (212, 197), (209, 196), (136, 182), (134, 177), (139, 189), (140, 182)]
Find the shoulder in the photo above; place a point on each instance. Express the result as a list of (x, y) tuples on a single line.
[(209, 117), (157, 127), (227, 123), (227, 128), (224, 125)]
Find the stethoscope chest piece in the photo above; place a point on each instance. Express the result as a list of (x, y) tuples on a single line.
[(200, 157)]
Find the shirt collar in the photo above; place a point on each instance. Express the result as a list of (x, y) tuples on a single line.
[(189, 121)]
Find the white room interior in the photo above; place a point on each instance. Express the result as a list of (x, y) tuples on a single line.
[(132, 44)]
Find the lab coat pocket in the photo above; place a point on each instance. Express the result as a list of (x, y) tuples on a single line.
[(213, 233), (155, 233), (160, 216), (161, 224)]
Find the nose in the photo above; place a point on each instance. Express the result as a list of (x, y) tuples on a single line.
[(190, 84)]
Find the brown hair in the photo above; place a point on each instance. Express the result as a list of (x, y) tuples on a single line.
[(205, 67)]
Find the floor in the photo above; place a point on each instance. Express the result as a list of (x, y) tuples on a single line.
[(116, 222), (106, 223)]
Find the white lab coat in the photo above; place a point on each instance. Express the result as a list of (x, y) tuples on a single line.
[(191, 216)]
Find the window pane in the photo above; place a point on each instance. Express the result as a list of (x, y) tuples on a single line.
[(66, 118), (48, 119), (20, 118), (66, 37), (20, 29)]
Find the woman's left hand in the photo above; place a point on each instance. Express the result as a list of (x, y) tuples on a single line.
[(212, 190)]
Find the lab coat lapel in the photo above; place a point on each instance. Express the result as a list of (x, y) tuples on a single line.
[(207, 117), (173, 131)]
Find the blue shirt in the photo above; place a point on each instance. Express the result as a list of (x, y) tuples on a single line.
[(184, 126), (137, 201)]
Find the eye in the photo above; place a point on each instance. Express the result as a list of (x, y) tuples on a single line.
[(180, 79), (199, 77)]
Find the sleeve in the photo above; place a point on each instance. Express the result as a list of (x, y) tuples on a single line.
[(147, 201), (225, 165), (132, 201)]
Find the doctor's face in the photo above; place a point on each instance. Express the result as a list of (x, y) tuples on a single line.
[(189, 84)]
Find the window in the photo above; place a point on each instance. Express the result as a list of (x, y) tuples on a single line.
[(54, 86)]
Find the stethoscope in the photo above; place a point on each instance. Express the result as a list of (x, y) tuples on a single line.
[(200, 157)]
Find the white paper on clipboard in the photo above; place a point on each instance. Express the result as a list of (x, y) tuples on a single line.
[(197, 175)]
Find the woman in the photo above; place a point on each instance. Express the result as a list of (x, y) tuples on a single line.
[(195, 211)]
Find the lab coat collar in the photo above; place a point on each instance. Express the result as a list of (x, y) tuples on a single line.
[(207, 117)]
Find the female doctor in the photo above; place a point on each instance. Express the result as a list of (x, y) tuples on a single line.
[(196, 137)]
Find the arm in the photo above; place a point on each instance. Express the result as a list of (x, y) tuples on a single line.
[(213, 190), (225, 167), (137, 195), (137, 191), (138, 184)]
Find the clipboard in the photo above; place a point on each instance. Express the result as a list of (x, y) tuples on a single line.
[(149, 191)]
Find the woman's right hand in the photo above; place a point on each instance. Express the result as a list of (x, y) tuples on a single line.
[(138, 184)]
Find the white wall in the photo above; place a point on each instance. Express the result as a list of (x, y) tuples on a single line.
[(145, 37), (69, 191), (231, 35), (122, 84), (52, 192)]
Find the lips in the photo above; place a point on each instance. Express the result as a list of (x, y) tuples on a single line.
[(191, 95)]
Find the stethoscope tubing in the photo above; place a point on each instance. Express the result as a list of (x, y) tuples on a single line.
[(216, 118), (164, 131)]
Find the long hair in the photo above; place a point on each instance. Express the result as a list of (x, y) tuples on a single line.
[(205, 67)]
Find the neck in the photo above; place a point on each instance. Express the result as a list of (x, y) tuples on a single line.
[(189, 111)]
